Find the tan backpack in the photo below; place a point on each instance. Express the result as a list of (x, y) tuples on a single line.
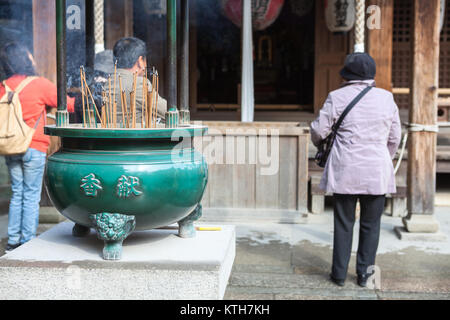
[(15, 134)]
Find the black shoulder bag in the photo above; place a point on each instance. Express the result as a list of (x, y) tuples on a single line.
[(326, 144)]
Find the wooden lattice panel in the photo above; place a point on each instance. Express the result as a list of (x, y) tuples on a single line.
[(444, 60), (401, 59)]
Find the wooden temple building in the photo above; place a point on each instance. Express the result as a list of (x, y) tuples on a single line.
[(296, 60)]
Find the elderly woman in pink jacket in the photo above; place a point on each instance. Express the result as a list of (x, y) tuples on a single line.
[(360, 162)]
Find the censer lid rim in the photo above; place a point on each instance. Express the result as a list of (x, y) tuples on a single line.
[(75, 131)]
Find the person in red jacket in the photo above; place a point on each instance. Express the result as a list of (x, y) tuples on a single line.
[(27, 170)]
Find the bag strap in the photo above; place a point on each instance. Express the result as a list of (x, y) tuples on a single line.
[(7, 89), (336, 126), (23, 84), (20, 87), (39, 119)]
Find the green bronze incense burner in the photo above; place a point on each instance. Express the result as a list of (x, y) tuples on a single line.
[(119, 180)]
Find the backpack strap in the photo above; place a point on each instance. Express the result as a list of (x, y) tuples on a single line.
[(39, 119), (24, 83), (6, 86), (8, 93), (21, 85)]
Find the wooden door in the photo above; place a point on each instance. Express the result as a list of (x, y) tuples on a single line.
[(118, 21), (330, 51)]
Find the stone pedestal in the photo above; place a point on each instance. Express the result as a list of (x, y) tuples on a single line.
[(421, 223), (156, 264), (403, 234), (420, 228)]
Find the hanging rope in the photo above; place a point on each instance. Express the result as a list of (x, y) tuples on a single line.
[(402, 151), (360, 26), (99, 26)]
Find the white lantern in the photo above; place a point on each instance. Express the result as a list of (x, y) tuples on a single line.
[(340, 15), (442, 15)]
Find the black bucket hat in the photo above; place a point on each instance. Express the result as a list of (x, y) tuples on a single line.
[(359, 66)]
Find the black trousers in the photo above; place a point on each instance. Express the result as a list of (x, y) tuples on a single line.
[(372, 207)]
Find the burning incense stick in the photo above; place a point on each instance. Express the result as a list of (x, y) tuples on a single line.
[(105, 111), (82, 96), (122, 104), (109, 103), (134, 99), (93, 102), (83, 76), (127, 115), (149, 106), (156, 94), (114, 97), (103, 115), (122, 101), (133, 108), (144, 99), (152, 98)]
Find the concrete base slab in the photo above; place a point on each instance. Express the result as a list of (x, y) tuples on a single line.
[(156, 264), (403, 234)]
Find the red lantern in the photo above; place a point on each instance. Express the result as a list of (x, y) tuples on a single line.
[(264, 12)]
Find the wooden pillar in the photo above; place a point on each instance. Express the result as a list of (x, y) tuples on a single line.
[(44, 38), (379, 42), (422, 145)]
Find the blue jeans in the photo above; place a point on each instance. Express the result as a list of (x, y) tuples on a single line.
[(26, 172)]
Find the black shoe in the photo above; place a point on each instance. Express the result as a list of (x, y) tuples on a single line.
[(362, 279), (11, 247), (339, 282)]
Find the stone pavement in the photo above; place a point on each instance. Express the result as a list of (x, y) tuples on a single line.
[(292, 261)]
